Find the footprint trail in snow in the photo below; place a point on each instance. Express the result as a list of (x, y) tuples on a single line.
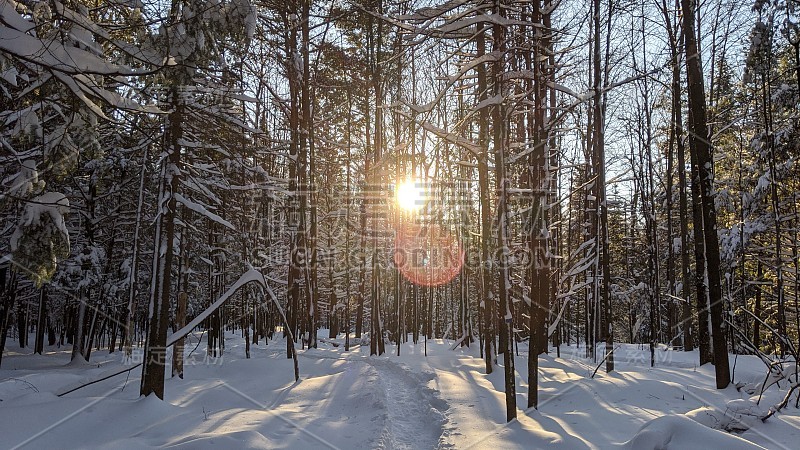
[(415, 415)]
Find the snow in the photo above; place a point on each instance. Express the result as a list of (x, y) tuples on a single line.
[(491, 101), (349, 400), (51, 204), (55, 55), (10, 17), (200, 209), (679, 432), (10, 76), (25, 181), (250, 276)]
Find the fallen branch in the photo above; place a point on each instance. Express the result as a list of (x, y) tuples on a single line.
[(289, 334), (782, 404), (251, 276), (26, 382), (103, 378), (610, 352)]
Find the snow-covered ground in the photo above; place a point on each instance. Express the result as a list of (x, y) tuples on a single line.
[(349, 400)]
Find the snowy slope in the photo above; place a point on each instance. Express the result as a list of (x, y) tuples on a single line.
[(350, 400)]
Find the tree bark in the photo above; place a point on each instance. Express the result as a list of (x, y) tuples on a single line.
[(602, 200), (155, 348), (487, 293), (180, 322), (500, 132), (41, 321), (8, 290), (701, 147), (297, 221), (676, 137)]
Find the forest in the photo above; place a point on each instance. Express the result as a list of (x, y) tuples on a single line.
[(516, 182)]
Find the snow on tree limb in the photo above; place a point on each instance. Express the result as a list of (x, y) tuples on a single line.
[(200, 209), (251, 276), (55, 55)]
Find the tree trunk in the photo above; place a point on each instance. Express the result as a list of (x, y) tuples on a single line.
[(676, 131), (131, 309), (77, 337), (41, 321), (487, 293), (701, 298), (757, 308), (155, 347), (306, 184), (539, 182), (8, 290), (500, 132), (295, 179), (180, 322), (700, 146), (602, 202)]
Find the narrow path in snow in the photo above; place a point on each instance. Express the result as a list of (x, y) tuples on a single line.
[(414, 413)]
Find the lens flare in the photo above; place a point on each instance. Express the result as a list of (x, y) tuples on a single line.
[(427, 255)]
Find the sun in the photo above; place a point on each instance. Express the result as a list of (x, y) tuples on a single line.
[(410, 195)]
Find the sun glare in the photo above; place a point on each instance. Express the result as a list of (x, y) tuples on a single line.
[(410, 195)]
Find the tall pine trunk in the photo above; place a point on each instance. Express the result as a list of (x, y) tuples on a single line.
[(487, 295), (155, 347), (500, 136), (700, 147)]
